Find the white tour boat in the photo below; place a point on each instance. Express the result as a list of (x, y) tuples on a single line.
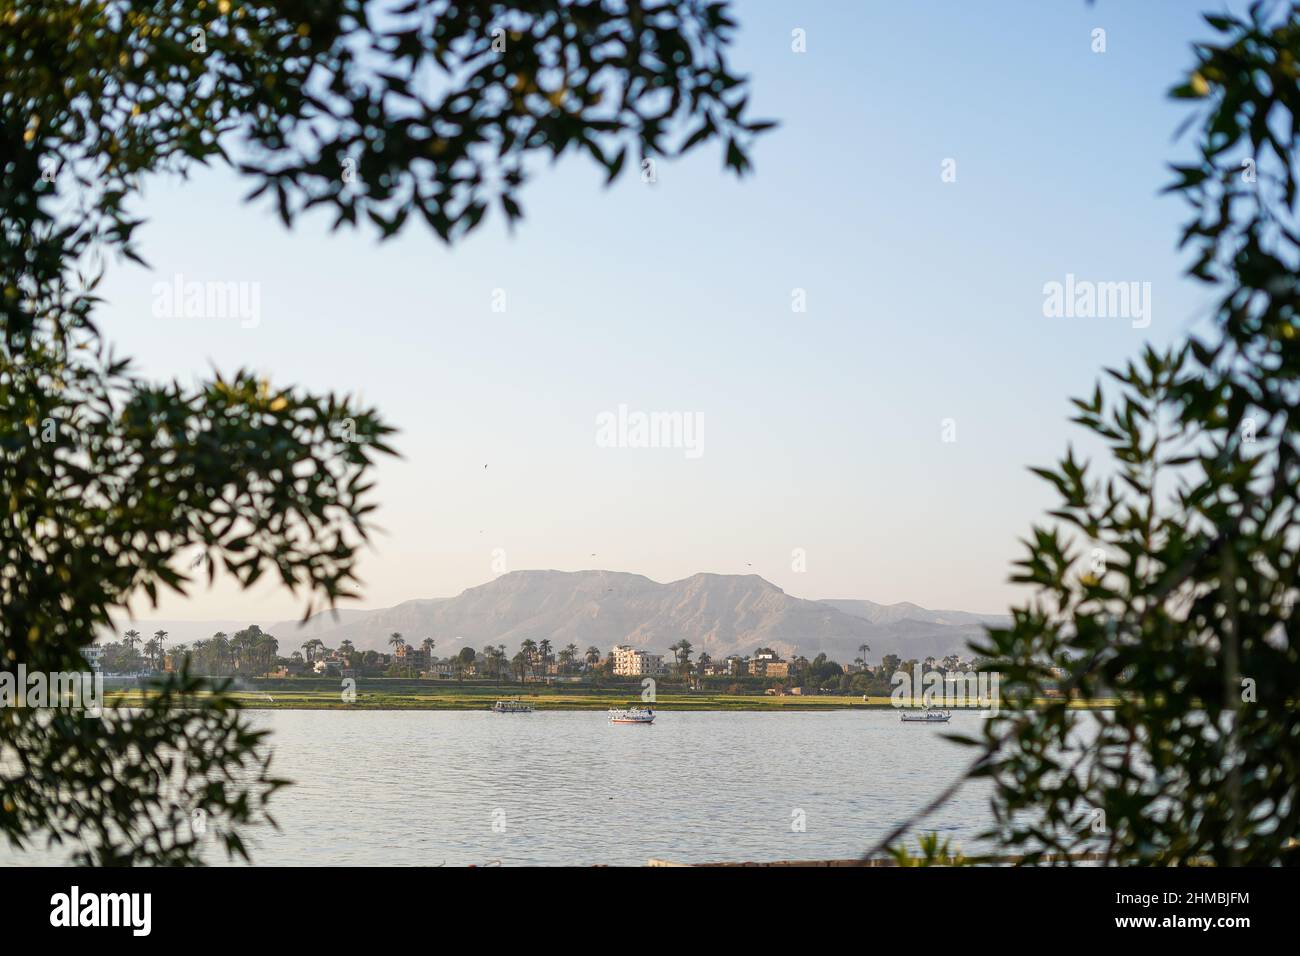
[(928, 717), (632, 715), (512, 707)]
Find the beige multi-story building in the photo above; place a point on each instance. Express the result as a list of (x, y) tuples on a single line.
[(411, 655), (767, 664), (633, 662)]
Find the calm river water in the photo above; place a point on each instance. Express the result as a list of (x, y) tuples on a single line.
[(426, 788)]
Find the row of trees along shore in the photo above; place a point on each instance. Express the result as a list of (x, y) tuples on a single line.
[(253, 652)]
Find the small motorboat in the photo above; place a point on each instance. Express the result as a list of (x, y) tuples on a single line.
[(632, 715), (927, 717), (512, 707)]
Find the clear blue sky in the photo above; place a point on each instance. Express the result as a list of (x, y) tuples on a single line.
[(822, 429)]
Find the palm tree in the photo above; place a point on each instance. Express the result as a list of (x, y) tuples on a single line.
[(428, 644), (197, 654), (131, 639), (220, 651), (529, 649), (267, 648), (153, 648), (592, 656), (682, 652), (396, 641), (862, 655)]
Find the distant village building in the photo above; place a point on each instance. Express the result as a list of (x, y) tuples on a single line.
[(765, 664), (94, 655), (768, 664), (735, 666), (632, 662), (410, 655)]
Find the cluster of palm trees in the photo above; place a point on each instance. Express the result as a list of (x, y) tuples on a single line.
[(538, 656), (134, 654), (532, 658), (153, 648), (251, 651)]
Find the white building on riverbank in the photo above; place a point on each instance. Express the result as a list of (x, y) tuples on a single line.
[(633, 662)]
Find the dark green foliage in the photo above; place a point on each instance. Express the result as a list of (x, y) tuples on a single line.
[(113, 488), (1169, 575), (152, 785)]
